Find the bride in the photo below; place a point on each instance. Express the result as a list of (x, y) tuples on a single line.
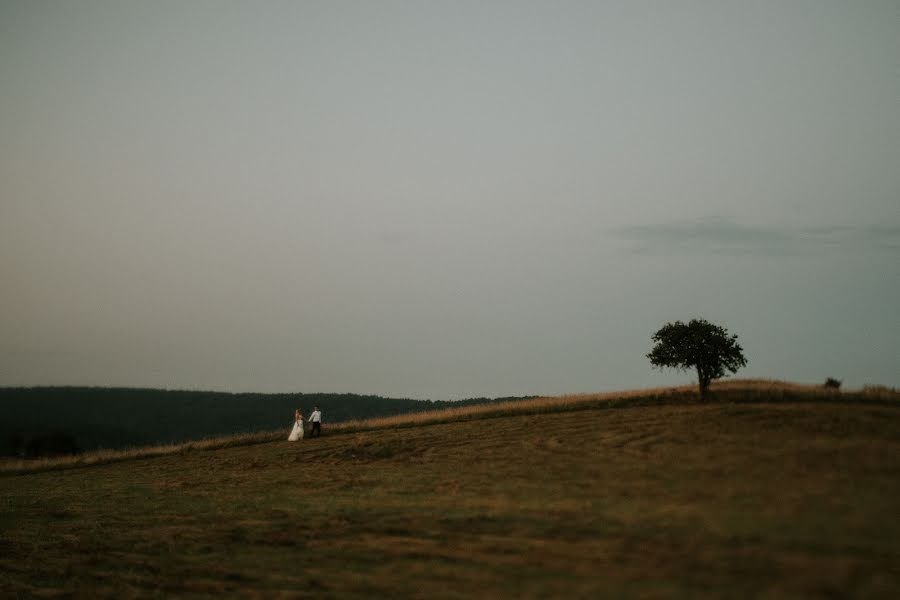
[(297, 431)]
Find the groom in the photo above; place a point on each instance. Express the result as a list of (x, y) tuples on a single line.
[(316, 419)]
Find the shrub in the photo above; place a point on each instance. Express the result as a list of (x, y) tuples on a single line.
[(51, 443)]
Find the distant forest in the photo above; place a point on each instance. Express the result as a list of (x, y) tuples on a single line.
[(59, 420)]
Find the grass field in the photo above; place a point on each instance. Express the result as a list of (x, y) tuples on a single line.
[(773, 500)]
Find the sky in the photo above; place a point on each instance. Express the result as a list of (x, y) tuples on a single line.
[(445, 199)]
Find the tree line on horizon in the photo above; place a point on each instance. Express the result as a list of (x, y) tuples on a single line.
[(51, 420)]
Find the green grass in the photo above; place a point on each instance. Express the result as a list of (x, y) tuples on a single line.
[(770, 500)]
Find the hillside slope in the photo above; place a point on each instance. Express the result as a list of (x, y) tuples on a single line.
[(98, 417), (730, 500)]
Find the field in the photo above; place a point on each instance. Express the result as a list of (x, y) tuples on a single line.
[(778, 499)]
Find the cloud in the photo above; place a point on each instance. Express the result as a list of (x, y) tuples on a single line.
[(887, 236), (722, 236)]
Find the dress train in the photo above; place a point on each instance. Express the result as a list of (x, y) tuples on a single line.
[(297, 431)]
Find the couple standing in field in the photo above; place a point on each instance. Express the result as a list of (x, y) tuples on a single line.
[(297, 433)]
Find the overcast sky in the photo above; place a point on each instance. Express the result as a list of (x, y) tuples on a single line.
[(445, 199)]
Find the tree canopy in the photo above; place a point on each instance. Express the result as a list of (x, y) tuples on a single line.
[(698, 345)]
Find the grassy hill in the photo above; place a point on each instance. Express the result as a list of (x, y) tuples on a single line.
[(97, 417), (769, 491)]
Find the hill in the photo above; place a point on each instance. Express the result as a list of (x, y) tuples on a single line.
[(675, 498), (97, 417)]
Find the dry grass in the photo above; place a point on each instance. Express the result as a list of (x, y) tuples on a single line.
[(741, 390), (677, 500), (738, 390), (100, 457)]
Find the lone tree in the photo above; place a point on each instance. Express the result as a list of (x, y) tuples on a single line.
[(697, 345)]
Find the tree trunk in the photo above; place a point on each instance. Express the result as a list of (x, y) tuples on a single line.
[(704, 383)]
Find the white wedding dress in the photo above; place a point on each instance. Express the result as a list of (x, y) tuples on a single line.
[(296, 432)]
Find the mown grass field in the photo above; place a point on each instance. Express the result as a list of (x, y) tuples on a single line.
[(769, 500)]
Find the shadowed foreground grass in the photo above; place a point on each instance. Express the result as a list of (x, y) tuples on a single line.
[(727, 500)]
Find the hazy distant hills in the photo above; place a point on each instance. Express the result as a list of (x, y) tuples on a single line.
[(98, 417)]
